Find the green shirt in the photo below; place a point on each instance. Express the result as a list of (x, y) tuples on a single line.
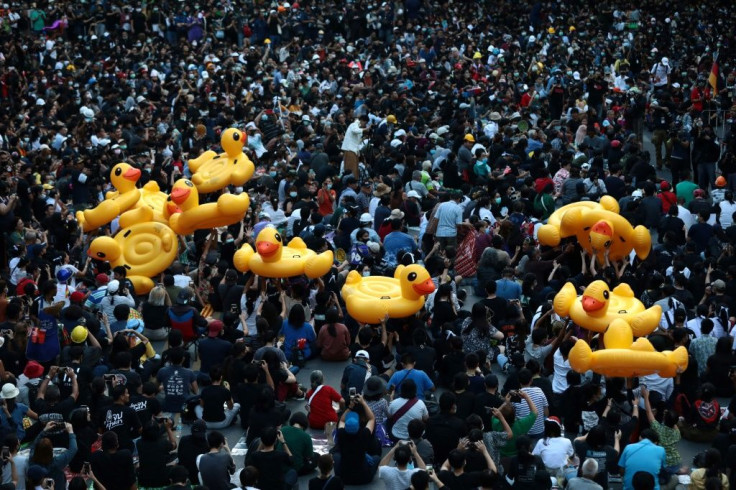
[(668, 439), (685, 190), (521, 426), (299, 443)]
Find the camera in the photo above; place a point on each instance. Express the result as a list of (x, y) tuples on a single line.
[(353, 393)]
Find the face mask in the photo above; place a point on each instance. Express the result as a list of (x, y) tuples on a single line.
[(329, 186), (213, 99), (366, 273), (292, 194), (116, 151), (498, 200), (272, 173), (147, 170)]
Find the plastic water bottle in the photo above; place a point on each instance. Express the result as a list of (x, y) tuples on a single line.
[(178, 426)]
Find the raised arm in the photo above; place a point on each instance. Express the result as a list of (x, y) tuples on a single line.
[(647, 405)]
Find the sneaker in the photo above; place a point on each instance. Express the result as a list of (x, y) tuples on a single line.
[(300, 396)]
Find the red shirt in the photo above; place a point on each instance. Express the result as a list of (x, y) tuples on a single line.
[(668, 199), (320, 407), (541, 183)]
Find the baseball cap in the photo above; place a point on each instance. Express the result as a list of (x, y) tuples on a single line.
[(183, 297), (113, 286), (413, 194), (102, 279), (76, 297), (352, 423), (719, 284), (366, 218), (554, 420), (637, 194), (214, 328), (363, 354)]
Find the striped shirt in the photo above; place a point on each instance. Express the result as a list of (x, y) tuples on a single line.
[(95, 298), (540, 401)]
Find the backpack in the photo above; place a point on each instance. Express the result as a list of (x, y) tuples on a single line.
[(708, 414)]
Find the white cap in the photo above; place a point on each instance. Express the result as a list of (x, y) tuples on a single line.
[(374, 247), (576, 75), (40, 102), (367, 218), (637, 194), (364, 354), (414, 194), (399, 133), (113, 286), (666, 61)]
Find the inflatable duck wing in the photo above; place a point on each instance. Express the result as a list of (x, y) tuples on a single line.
[(598, 306), (186, 215), (212, 172), (625, 358), (272, 259), (370, 299), (145, 249), (124, 178)]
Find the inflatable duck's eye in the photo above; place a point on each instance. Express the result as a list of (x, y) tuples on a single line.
[(277, 236), (101, 255), (605, 294), (118, 171), (607, 244), (412, 276), (189, 183), (236, 136)]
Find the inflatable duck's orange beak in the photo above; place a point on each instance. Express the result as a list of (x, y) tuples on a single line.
[(602, 228), (591, 304), (180, 194), (426, 287), (267, 248), (132, 174)]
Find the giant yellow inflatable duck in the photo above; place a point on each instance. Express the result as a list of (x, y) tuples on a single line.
[(625, 358), (599, 306), (212, 172), (370, 299), (598, 227), (145, 248), (186, 215), (123, 177), (273, 259)]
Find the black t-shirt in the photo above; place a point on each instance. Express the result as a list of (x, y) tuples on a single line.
[(64, 407), (145, 407), (270, 468), (443, 432), (123, 420), (245, 394), (258, 420), (606, 457), (499, 307), (482, 402), (459, 482), (133, 379), (424, 357), (332, 483), (153, 456), (525, 474), (214, 397), (353, 448), (189, 448), (114, 470)]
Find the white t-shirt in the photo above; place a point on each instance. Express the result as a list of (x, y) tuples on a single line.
[(401, 427), (554, 451), (394, 478), (559, 380)]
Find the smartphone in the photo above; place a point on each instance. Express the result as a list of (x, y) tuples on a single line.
[(86, 468), (353, 392), (430, 469), (5, 453)]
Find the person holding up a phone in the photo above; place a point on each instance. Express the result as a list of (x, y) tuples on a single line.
[(519, 425)]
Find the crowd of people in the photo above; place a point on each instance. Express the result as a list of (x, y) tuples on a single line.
[(391, 132)]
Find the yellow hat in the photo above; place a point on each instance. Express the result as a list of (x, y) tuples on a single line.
[(391, 118), (470, 137), (540, 65), (551, 30), (79, 334), (572, 28), (477, 55), (267, 41)]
